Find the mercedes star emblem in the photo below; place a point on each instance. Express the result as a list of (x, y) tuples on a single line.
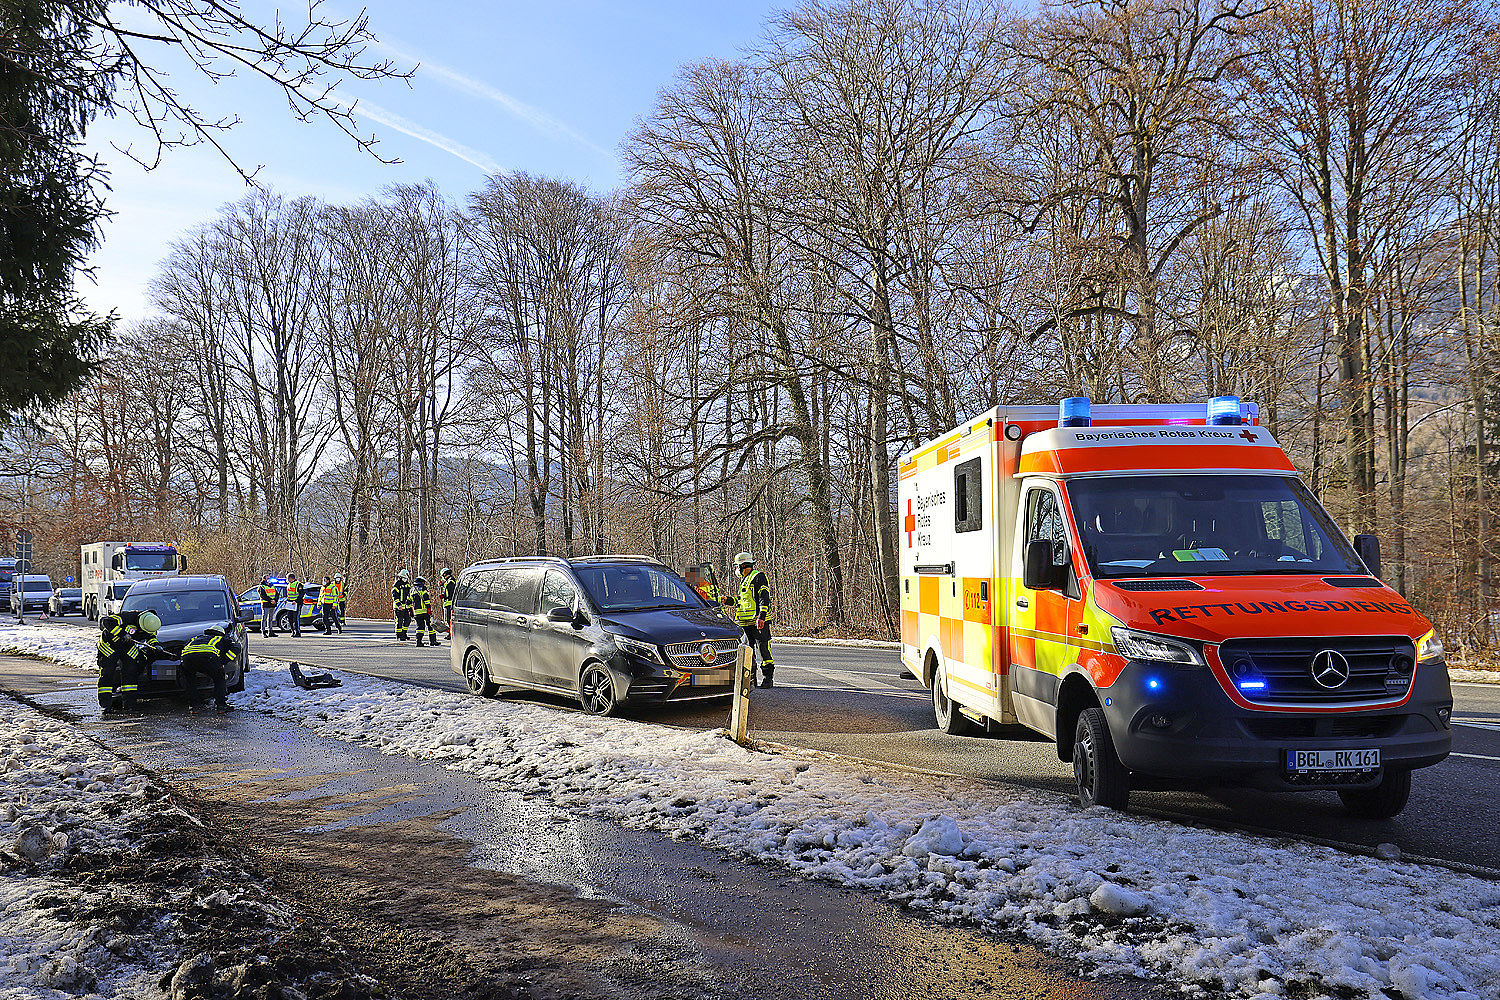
[(1329, 668), (708, 652)]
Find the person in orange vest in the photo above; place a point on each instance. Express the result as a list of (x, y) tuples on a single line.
[(338, 586)]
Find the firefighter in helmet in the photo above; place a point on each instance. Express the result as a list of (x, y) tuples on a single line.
[(421, 609), (126, 648), (752, 612), (401, 603), (210, 655)]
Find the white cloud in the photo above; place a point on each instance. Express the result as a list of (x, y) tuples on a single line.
[(390, 119), (533, 116)]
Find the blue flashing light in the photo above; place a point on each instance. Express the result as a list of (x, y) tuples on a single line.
[(1074, 412), (1107, 702), (1252, 685), (1224, 410), (1153, 683)]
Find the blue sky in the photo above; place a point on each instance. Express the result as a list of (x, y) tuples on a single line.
[(549, 88)]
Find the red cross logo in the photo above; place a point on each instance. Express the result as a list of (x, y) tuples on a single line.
[(909, 523), (1249, 435)]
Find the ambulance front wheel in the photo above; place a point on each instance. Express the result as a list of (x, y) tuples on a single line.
[(1102, 779), (1385, 800), (949, 719)]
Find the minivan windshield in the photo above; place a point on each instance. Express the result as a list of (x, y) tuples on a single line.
[(40, 583), (635, 588), (1197, 525), (178, 607)]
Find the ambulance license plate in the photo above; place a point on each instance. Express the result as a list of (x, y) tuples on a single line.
[(1308, 761)]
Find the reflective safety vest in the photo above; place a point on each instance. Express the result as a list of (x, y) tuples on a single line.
[(338, 588), (329, 594), (267, 593), (401, 595), (421, 603), (450, 586), (209, 644), (755, 598)]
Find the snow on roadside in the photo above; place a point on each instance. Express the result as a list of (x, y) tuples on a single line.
[(1245, 915)]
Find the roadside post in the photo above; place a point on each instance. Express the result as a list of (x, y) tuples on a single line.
[(739, 709)]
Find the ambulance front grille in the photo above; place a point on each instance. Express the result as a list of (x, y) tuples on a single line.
[(1286, 666)]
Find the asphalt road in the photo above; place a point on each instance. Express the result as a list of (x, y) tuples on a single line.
[(853, 701)]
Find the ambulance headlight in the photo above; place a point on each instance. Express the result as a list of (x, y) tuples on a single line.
[(1135, 645), (1224, 410), (1429, 648)]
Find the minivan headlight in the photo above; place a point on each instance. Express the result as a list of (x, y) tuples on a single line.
[(644, 650), (1156, 648), (1429, 647)]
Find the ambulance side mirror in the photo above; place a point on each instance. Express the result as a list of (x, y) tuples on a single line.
[(1037, 569), (1367, 547)]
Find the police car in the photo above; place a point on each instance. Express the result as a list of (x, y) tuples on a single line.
[(312, 611)]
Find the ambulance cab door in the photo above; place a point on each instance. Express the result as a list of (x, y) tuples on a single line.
[(1041, 641)]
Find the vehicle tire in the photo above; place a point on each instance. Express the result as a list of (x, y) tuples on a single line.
[(949, 719), (283, 622), (596, 691), (1385, 800), (477, 675), (1102, 779)]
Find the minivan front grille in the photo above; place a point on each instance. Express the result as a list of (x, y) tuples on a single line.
[(1285, 665), (689, 656)]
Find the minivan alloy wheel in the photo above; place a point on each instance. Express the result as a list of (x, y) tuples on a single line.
[(596, 690), (477, 675)]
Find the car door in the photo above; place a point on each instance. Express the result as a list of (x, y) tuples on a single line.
[(1042, 620), (557, 648), (511, 606)]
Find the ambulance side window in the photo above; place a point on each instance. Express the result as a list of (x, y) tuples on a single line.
[(1044, 522), (968, 500)]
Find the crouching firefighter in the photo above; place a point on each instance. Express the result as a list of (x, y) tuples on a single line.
[(126, 647), (421, 608), (209, 655)]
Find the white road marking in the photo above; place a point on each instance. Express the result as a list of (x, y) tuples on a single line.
[(1472, 756), (1478, 724)]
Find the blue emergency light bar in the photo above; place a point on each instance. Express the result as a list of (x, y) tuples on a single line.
[(1074, 412), (1224, 410), (276, 581)]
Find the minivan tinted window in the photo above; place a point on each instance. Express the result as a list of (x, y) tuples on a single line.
[(514, 589), (636, 588)]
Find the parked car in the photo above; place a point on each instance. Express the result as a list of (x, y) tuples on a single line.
[(37, 591), (186, 606), (67, 601), (312, 611), (114, 596), (610, 631)]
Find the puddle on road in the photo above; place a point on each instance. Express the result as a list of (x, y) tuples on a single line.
[(767, 933)]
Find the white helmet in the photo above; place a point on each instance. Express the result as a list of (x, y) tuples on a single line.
[(404, 574), (744, 559)]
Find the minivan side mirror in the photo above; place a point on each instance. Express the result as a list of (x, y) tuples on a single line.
[(560, 615), (1367, 547), (1037, 569)]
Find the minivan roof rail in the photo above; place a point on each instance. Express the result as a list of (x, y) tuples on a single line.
[(566, 561)]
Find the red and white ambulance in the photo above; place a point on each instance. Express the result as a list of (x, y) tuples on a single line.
[(1155, 588)]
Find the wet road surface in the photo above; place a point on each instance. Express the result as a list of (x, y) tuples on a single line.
[(853, 701), (759, 931)]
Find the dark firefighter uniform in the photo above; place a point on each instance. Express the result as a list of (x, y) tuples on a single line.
[(401, 606), (755, 605), (421, 608), (450, 587), (210, 655), (125, 650)]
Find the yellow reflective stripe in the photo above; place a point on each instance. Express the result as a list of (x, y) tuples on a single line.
[(1066, 640), (127, 688)]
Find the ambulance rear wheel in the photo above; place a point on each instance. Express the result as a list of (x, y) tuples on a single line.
[(949, 719), (1385, 800), (1102, 779)]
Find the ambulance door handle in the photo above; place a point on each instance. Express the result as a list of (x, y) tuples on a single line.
[(1021, 602)]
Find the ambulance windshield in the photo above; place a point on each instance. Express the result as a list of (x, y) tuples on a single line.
[(1189, 525)]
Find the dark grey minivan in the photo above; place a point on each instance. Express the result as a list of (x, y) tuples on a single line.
[(608, 630)]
